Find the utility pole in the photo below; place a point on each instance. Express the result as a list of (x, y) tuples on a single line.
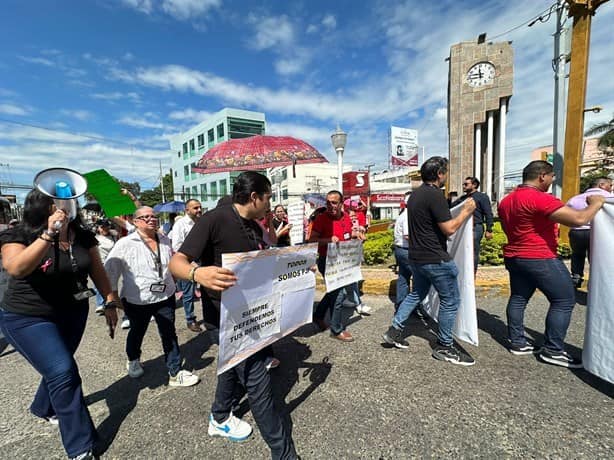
[(582, 12), (162, 182), (559, 65)]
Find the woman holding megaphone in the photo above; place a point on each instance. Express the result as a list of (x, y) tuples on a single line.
[(48, 258)]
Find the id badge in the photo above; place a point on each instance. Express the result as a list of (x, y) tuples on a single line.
[(157, 287)]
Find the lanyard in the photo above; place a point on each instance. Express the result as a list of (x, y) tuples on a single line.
[(251, 235), (74, 266), (157, 257)]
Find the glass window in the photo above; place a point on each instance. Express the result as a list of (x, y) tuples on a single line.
[(284, 174), (203, 192), (210, 136), (179, 154), (213, 191), (201, 140), (223, 188), (185, 147), (192, 145), (220, 131), (284, 194), (186, 173), (175, 173), (194, 191)]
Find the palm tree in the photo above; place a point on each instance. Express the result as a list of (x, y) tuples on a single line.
[(607, 138)]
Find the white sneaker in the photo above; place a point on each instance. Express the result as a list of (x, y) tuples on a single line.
[(100, 310), (183, 379), (363, 309), (234, 428), (348, 304), (126, 324), (135, 369), (53, 420)]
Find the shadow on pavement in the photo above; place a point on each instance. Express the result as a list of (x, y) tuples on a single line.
[(3, 346), (121, 396), (493, 325)]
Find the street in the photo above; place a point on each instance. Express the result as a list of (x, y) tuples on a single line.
[(346, 400)]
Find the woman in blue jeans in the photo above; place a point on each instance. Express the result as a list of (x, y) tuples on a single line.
[(48, 258)]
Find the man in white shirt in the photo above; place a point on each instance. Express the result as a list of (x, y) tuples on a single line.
[(148, 289), (181, 228), (401, 245)]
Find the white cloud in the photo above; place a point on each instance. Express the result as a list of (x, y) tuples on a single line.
[(81, 115), (271, 32), (142, 123), (311, 29), (329, 22), (16, 110), (188, 9), (192, 115), (144, 6), (37, 60), (117, 96)]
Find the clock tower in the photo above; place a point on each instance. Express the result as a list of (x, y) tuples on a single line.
[(479, 89)]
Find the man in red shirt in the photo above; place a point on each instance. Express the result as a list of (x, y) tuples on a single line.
[(332, 226), (529, 217)]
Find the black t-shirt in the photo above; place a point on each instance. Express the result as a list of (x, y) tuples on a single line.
[(426, 207), (283, 240), (49, 289), (220, 231)]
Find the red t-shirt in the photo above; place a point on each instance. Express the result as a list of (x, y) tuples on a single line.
[(328, 227), (524, 216)]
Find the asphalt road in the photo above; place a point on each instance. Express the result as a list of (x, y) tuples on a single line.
[(345, 400)]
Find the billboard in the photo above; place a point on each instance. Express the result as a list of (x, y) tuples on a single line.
[(403, 146), (356, 183)]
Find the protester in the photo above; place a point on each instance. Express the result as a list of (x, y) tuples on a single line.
[(45, 310), (332, 226), (193, 211), (482, 215), (429, 225), (223, 230), (579, 237), (281, 225), (529, 216), (167, 227), (148, 289), (401, 245), (106, 238)]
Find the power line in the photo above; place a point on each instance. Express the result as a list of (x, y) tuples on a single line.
[(538, 17)]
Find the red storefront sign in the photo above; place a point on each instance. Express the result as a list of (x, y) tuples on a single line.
[(356, 183), (387, 198)]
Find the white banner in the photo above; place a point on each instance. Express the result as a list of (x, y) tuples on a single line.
[(598, 353), (273, 296), (403, 146), (343, 264), (460, 247), (296, 217)]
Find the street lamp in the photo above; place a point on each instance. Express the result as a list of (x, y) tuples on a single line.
[(339, 139)]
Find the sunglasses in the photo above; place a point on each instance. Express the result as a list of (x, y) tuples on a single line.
[(145, 218)]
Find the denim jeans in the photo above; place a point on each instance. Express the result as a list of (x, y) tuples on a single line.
[(552, 278), (48, 345), (332, 301), (164, 314), (443, 277), (580, 242), (253, 376), (187, 299), (478, 233), (402, 258), (352, 294)]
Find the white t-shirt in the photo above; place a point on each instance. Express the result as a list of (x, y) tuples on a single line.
[(401, 231)]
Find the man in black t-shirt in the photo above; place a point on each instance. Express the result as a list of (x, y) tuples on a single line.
[(228, 229), (482, 215), (429, 225)]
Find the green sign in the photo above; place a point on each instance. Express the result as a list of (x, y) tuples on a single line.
[(107, 192)]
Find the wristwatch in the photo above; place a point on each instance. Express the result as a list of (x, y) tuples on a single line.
[(50, 233), (110, 304)]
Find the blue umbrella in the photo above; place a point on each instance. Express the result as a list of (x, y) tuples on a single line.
[(171, 206)]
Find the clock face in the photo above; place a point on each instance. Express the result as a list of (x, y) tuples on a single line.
[(482, 73)]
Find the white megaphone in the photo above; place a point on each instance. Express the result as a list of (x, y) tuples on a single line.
[(64, 186)]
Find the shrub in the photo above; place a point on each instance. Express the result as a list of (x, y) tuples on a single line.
[(377, 248)]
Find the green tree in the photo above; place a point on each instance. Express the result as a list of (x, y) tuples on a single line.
[(589, 177), (606, 129), (153, 196)]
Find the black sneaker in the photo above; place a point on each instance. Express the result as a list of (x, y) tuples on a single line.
[(560, 358), (395, 337), (526, 349), (452, 355)]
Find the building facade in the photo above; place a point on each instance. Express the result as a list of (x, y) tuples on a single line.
[(188, 147)]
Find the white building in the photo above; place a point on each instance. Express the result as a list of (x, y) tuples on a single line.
[(188, 147)]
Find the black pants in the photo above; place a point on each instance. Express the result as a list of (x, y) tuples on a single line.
[(253, 376), (580, 241)]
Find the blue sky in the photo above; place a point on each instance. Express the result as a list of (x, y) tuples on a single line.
[(113, 79)]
